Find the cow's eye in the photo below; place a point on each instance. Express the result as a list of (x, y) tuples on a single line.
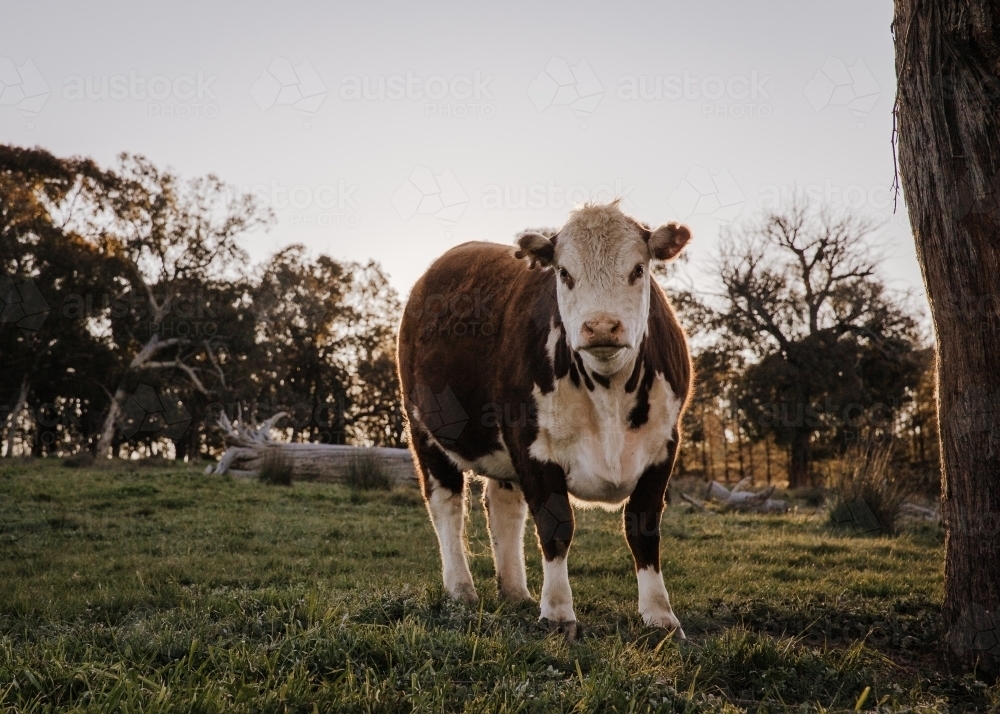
[(566, 277), (636, 273)]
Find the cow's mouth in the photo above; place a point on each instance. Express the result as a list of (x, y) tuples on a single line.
[(604, 352)]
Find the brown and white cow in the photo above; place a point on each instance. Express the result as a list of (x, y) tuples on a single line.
[(557, 371)]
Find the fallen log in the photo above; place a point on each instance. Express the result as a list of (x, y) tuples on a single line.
[(248, 446), (698, 505), (741, 499), (914, 511)]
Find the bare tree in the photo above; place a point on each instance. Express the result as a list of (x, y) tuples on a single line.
[(803, 304), (948, 113)]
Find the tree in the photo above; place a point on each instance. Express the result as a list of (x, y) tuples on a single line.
[(803, 305), (46, 207), (172, 241), (327, 342), (948, 114)]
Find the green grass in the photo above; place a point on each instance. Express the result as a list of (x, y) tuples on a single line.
[(162, 589)]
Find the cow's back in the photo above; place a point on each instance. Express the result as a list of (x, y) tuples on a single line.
[(472, 336)]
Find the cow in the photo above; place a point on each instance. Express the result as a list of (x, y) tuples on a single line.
[(557, 371)]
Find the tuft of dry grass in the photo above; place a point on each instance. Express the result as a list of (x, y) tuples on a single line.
[(869, 494), (366, 472), (275, 469)]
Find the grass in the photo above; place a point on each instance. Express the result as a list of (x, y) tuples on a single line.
[(163, 589), (367, 472), (869, 495)]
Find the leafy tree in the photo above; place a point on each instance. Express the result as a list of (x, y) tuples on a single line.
[(51, 360), (822, 338)]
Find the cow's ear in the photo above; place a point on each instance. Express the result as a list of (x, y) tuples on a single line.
[(537, 249), (667, 241)]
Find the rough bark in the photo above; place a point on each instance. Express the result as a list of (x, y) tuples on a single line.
[(798, 462), (948, 114)]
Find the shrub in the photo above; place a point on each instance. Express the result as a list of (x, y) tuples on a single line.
[(869, 494), (365, 471), (275, 468)]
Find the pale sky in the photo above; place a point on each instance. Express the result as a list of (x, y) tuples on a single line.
[(701, 112)]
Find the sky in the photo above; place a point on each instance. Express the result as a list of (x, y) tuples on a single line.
[(393, 131)]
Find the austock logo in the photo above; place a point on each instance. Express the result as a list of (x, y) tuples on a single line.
[(423, 193), (977, 630), (22, 305), (441, 414), (150, 413), (575, 87), (836, 84), (858, 517), (703, 193), (284, 85), (169, 315), (178, 97), (737, 96), (458, 314), (22, 87), (471, 93), (550, 196)]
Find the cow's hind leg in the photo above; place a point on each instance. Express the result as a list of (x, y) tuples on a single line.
[(443, 485), (506, 511)]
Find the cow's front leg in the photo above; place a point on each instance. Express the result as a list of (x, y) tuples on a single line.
[(642, 531), (545, 491)]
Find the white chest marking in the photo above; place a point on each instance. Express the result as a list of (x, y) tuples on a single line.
[(587, 433)]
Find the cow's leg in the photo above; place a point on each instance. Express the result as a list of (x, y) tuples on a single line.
[(443, 485), (506, 511), (642, 531), (545, 491)]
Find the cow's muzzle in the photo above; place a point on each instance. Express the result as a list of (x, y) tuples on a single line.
[(604, 351)]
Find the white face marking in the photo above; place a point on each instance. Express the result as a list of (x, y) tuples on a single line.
[(557, 598), (654, 604), (506, 511), (602, 279), (587, 433), (447, 511)]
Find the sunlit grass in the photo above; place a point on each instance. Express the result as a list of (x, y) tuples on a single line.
[(168, 590)]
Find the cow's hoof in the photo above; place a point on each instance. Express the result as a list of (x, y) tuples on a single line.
[(516, 597), (667, 621), (465, 594), (570, 630)]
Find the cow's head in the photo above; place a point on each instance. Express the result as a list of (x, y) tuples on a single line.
[(601, 259)]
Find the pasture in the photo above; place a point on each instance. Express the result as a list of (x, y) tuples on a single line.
[(157, 588)]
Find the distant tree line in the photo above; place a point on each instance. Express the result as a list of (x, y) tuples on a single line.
[(130, 317)]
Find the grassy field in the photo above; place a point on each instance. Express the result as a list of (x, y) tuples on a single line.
[(161, 589)]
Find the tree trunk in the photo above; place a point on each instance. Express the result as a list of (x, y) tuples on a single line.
[(767, 456), (798, 462), (725, 452), (948, 113), (105, 443), (22, 399)]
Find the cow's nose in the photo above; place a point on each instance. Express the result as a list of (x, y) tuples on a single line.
[(603, 329)]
